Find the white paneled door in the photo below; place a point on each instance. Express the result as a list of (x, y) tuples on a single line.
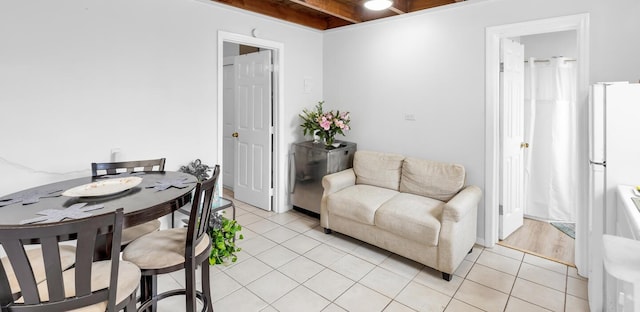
[(252, 181), (512, 132), (229, 126)]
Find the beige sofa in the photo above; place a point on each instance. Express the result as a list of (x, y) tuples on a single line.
[(416, 208)]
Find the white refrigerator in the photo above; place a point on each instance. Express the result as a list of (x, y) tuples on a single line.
[(614, 159)]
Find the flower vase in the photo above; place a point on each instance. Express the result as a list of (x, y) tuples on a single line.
[(316, 137), (328, 142)]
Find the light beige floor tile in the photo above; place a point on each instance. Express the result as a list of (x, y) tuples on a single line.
[(371, 253), (300, 299), (433, 279), (240, 300), (535, 293), (543, 276), (473, 256), (385, 282), (301, 243), (247, 234), (352, 267), (575, 304), (422, 298), (359, 298), (325, 255), (482, 297), (464, 268), (285, 217), (272, 286), (459, 306), (248, 271), (302, 224), (262, 226), (517, 305), (577, 287), (395, 306), (269, 309), (573, 272), (256, 245), (546, 263), (333, 308), (301, 269), (491, 278), (247, 219), (343, 242), (277, 256), (329, 284), (280, 234), (318, 234), (263, 213), (499, 262), (401, 265), (222, 285), (507, 252)]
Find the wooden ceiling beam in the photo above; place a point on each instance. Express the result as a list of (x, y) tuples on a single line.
[(400, 6), (279, 11), (417, 5), (347, 12)]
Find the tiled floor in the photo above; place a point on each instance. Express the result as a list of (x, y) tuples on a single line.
[(287, 263)]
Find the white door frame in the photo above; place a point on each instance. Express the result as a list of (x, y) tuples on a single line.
[(279, 152), (579, 23)]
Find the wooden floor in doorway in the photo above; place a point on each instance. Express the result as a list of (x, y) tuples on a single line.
[(544, 240)]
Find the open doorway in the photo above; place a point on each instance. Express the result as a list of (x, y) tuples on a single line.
[(249, 111), (493, 182), (549, 148)]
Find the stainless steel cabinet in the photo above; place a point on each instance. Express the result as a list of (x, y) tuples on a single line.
[(311, 162)]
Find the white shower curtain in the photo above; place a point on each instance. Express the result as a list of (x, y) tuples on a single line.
[(551, 166)]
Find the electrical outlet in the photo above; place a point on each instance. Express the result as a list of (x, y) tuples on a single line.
[(410, 117)]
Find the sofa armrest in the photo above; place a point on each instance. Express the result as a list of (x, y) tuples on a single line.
[(337, 181), (331, 184), (460, 205)]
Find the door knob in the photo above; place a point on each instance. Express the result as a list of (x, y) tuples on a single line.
[(524, 145), (235, 134)]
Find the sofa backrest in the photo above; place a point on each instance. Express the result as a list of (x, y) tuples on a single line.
[(432, 179), (378, 169)]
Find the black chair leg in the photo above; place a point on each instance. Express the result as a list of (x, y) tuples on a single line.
[(149, 290), (206, 286), (327, 231), (470, 251), (446, 276)]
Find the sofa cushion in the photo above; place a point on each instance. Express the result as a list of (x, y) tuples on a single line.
[(433, 179), (378, 169), (411, 216), (359, 202)]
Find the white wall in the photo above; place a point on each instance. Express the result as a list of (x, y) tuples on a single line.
[(80, 77), (546, 46), (431, 65)]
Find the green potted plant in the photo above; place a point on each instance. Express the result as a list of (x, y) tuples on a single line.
[(222, 231)]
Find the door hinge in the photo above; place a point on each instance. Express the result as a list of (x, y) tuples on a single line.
[(500, 211), (271, 130), (271, 68), (271, 192), (502, 67)]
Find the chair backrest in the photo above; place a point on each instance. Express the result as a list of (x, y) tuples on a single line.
[(53, 294), (200, 213), (127, 166)]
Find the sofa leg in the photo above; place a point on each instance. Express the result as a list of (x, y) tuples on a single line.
[(327, 231), (446, 276), (470, 251)]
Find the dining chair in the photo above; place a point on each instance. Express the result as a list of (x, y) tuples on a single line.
[(111, 168), (175, 249), (92, 285)]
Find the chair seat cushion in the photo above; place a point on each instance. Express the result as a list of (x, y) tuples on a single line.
[(161, 249), (67, 259), (359, 202), (128, 281), (411, 216), (131, 233)]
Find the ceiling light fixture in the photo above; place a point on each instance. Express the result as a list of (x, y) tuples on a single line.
[(378, 5)]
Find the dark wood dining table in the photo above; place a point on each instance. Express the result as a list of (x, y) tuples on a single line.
[(141, 203)]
